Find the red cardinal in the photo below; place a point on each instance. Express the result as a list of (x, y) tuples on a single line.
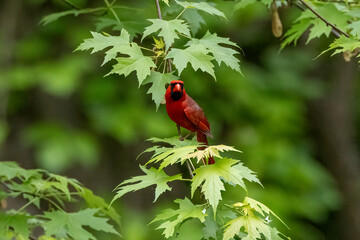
[(186, 113)]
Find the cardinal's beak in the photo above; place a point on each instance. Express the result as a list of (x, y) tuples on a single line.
[(177, 88)]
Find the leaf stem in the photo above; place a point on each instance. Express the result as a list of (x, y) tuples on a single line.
[(188, 37), (181, 13), (26, 205), (54, 203), (338, 30), (147, 49), (112, 11), (189, 168)]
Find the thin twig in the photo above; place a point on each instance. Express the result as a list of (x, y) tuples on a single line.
[(300, 6), (158, 9), (71, 5), (160, 17), (190, 170), (323, 19)]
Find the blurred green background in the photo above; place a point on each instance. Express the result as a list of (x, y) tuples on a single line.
[(295, 119)]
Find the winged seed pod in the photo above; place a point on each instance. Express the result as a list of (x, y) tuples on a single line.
[(276, 24), (348, 55)]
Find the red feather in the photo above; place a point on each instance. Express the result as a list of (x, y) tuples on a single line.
[(183, 110)]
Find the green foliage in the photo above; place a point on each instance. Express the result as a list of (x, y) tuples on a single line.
[(198, 52), (253, 224), (197, 56), (14, 224), (157, 89), (186, 210), (118, 44), (301, 24), (72, 224), (55, 16), (343, 44), (136, 62), (152, 176), (221, 54), (118, 120), (171, 155), (168, 29), (125, 65), (211, 177), (202, 6), (343, 16), (55, 191)]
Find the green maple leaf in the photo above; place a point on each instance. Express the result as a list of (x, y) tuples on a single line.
[(253, 226), (175, 217), (343, 44), (210, 226), (197, 56), (355, 28), (157, 89), (118, 44), (333, 15), (261, 208), (275, 235), (194, 19), (94, 201), (221, 54), (18, 223), (73, 224), (168, 30), (211, 178), (10, 170), (174, 141), (135, 62), (210, 151), (55, 16), (202, 6), (170, 156), (152, 177), (62, 183), (319, 28), (294, 33)]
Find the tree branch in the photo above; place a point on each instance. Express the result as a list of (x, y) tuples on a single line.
[(158, 9), (335, 28), (169, 68)]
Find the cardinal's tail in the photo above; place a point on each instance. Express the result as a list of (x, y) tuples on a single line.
[(201, 138)]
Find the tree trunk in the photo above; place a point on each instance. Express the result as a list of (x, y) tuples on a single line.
[(332, 122)]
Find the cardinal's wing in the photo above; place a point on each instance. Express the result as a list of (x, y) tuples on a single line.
[(196, 115)]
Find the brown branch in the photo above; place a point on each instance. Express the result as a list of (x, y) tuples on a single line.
[(169, 68), (158, 9), (335, 28)]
